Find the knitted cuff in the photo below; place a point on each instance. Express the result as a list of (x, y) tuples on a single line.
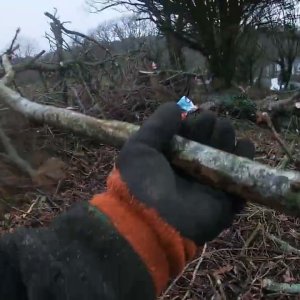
[(163, 250)]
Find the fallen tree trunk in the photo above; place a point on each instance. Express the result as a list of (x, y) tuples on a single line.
[(252, 181), (289, 104)]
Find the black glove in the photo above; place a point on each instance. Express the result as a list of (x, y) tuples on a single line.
[(197, 211)]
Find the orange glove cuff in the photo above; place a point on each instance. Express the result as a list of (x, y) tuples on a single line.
[(163, 250)]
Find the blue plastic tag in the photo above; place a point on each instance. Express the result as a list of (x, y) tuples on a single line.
[(186, 104)]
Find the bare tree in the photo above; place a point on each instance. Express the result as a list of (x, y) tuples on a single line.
[(167, 20), (251, 55), (211, 27), (28, 47), (131, 31), (285, 38), (287, 46), (104, 33)]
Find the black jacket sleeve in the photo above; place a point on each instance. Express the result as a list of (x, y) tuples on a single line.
[(80, 256)]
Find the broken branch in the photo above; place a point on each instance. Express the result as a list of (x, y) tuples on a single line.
[(284, 246), (286, 159), (276, 135), (269, 105), (290, 288), (250, 180), (9, 71), (12, 48), (13, 156), (76, 33)]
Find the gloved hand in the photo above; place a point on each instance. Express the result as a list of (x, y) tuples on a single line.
[(173, 213), (127, 242), (197, 211)]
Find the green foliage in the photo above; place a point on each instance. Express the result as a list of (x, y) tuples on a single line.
[(244, 103), (239, 106)]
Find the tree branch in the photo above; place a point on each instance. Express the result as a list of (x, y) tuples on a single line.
[(8, 69), (72, 32), (291, 288), (269, 122), (284, 246), (252, 181), (12, 48)]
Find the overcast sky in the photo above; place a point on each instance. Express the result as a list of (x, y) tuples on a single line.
[(29, 16)]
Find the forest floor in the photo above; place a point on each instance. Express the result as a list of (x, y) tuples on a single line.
[(234, 266)]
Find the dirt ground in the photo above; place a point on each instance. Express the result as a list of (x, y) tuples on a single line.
[(233, 266)]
